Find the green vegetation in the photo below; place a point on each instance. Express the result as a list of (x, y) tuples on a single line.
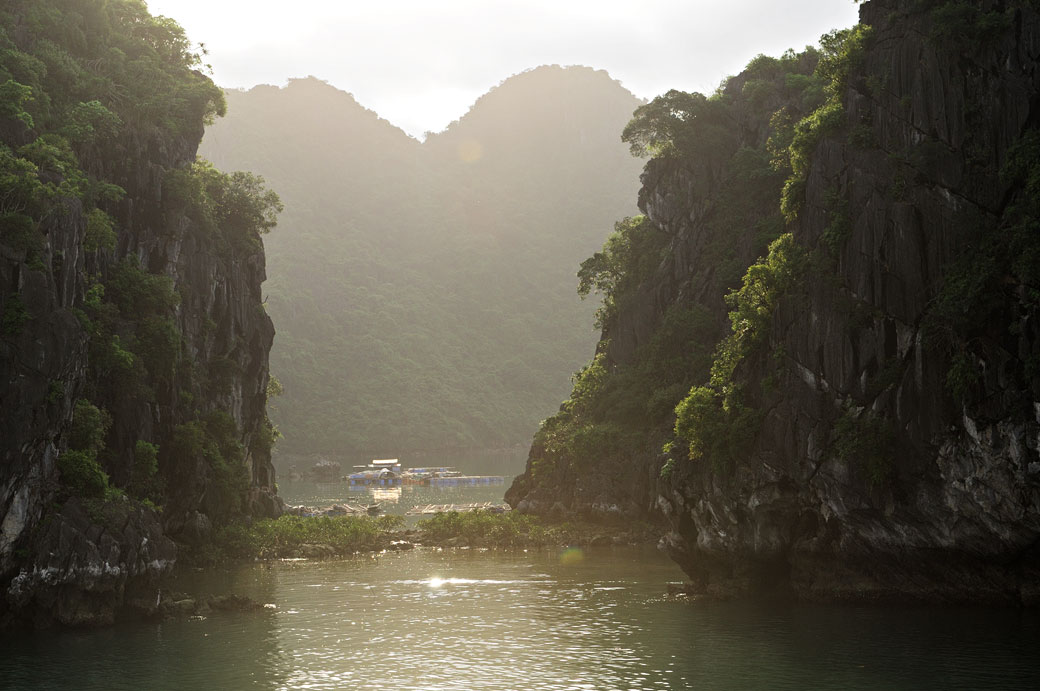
[(995, 280), (135, 344), (235, 206), (682, 125), (488, 529), (423, 291), (613, 404), (840, 52), (284, 536), (716, 421), (993, 286), (14, 317), (866, 442), (100, 232), (91, 93), (327, 536), (629, 257), (143, 477), (611, 407), (839, 223), (719, 429), (746, 200), (766, 282), (55, 392), (216, 439), (76, 77), (798, 99), (80, 470), (512, 529)]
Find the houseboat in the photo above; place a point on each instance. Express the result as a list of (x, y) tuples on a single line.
[(384, 472)]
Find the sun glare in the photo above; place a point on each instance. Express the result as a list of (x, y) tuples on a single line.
[(572, 556)]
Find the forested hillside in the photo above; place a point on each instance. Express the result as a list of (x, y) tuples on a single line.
[(424, 292)]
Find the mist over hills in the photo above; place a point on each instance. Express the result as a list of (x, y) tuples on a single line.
[(424, 292)]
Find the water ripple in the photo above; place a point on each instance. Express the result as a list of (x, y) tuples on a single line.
[(440, 621)]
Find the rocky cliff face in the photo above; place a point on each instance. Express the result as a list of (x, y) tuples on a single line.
[(713, 212), (159, 325), (895, 450)]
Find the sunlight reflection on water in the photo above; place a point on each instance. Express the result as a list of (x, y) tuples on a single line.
[(441, 620)]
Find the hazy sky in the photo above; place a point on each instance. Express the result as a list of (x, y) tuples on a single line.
[(421, 63)]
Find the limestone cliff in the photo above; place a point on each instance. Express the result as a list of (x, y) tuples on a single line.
[(134, 346), (889, 399)]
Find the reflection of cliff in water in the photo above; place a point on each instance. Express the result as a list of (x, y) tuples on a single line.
[(222, 651)]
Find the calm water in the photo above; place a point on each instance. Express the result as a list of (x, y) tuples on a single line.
[(542, 620)]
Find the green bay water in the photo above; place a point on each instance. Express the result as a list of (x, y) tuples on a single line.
[(469, 619)]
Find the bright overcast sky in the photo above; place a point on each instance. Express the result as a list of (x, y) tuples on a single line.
[(421, 63)]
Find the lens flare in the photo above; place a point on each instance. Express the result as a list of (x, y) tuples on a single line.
[(436, 582), (572, 556), (470, 151)]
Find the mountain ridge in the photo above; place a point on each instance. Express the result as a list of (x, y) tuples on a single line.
[(440, 256)]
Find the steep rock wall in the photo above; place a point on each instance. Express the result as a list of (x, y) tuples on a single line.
[(956, 514), (75, 560), (867, 477), (715, 210)]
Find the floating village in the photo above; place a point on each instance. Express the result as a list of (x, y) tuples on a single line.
[(389, 473)]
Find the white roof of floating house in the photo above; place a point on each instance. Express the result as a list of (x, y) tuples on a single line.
[(386, 462)]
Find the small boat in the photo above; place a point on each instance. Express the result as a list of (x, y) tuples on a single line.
[(378, 473)]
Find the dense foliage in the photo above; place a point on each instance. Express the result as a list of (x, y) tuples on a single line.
[(284, 536), (716, 421), (629, 256), (79, 465), (682, 125), (994, 281), (614, 404), (89, 89), (840, 51), (488, 529), (80, 74), (423, 292)]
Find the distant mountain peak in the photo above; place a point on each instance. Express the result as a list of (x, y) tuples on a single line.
[(410, 283)]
